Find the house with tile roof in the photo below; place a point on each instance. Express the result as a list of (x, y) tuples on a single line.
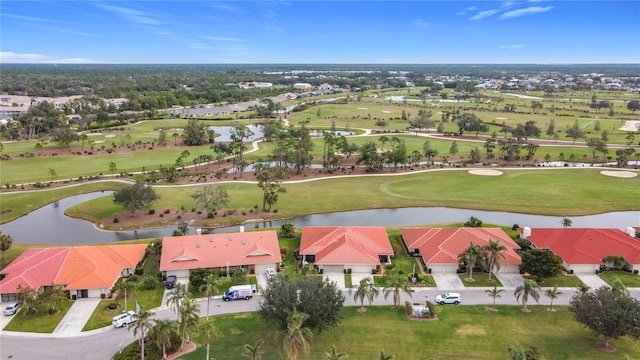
[(440, 247), (251, 251), (337, 248), (583, 249), (84, 271)]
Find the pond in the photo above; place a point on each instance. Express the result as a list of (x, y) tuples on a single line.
[(49, 225)]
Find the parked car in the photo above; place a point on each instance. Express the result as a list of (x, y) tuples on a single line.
[(271, 272), (449, 298), (12, 308), (124, 319), (238, 292), (171, 281)]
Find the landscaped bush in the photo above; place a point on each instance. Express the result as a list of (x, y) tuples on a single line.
[(152, 211), (113, 306), (139, 270), (197, 276), (116, 220)]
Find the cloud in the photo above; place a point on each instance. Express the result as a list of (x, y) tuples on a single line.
[(483, 14), (133, 15), (8, 57), (226, 8), (526, 11), (515, 46), (465, 11), (420, 22)]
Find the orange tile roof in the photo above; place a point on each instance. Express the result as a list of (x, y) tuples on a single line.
[(35, 267), (443, 245), (81, 267), (587, 246), (218, 250), (94, 267), (339, 245)]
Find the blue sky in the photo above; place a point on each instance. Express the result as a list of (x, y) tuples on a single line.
[(298, 31)]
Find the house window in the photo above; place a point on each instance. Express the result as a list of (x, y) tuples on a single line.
[(383, 258), (310, 258)]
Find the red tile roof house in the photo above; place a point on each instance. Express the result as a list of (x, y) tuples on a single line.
[(252, 251), (440, 247), (582, 250), (84, 271), (338, 248)]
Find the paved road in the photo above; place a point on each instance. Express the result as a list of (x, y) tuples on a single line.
[(104, 343)]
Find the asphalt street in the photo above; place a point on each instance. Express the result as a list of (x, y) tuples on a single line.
[(105, 343)]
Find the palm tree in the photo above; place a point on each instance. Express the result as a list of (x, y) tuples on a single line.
[(208, 331), (386, 357), (333, 354), (566, 222), (143, 325), (366, 289), (162, 332), (174, 299), (5, 244), (189, 317), (295, 337), (552, 294), (529, 288), (619, 288), (494, 293), (253, 352), (395, 284), (127, 289), (471, 256), (209, 287), (495, 250)]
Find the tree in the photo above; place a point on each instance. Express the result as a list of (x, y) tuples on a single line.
[(135, 197), (210, 197), (575, 131), (295, 337), (529, 289), (615, 261), (195, 133), (520, 353), (162, 137), (162, 332), (395, 284), (494, 293), (454, 148), (566, 222), (208, 331), (253, 351), (269, 180), (333, 354), (552, 294), (633, 105), (287, 230), (189, 318), (64, 136), (127, 289), (210, 287), (472, 256), (319, 298), (366, 289), (5, 243), (541, 263), (143, 326), (53, 174), (470, 122), (535, 106), (27, 296), (607, 313), (112, 167), (174, 299), (383, 356), (494, 250)]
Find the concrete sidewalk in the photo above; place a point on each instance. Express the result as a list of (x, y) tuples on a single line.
[(77, 316)]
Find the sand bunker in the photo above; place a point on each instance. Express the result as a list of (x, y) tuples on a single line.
[(619, 174), (631, 125), (501, 118), (94, 134), (110, 136), (485, 172), (362, 108), (386, 111), (98, 142)]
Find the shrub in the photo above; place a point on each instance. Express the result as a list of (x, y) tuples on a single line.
[(103, 296), (168, 211), (152, 211), (116, 220), (133, 278), (113, 306), (139, 271), (161, 215), (210, 215)]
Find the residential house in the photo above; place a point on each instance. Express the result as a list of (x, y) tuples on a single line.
[(583, 250), (337, 248), (84, 271), (440, 247), (252, 251)]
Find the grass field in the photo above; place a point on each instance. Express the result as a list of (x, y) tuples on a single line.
[(41, 322), (628, 279), (462, 332)]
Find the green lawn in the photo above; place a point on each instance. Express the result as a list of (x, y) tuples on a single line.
[(562, 280), (462, 332), (41, 322), (627, 278), (480, 279)]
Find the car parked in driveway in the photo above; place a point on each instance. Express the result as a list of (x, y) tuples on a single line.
[(449, 298), (171, 281), (271, 273), (12, 308)]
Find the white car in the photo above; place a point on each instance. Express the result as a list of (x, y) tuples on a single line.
[(12, 308), (271, 272), (449, 298)]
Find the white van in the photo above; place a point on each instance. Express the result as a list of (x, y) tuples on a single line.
[(124, 319)]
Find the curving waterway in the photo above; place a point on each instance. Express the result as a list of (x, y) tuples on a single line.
[(49, 224)]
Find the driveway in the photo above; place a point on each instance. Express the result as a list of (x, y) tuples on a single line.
[(77, 316), (447, 281), (336, 277), (357, 277), (592, 280), (510, 280), (4, 320)]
